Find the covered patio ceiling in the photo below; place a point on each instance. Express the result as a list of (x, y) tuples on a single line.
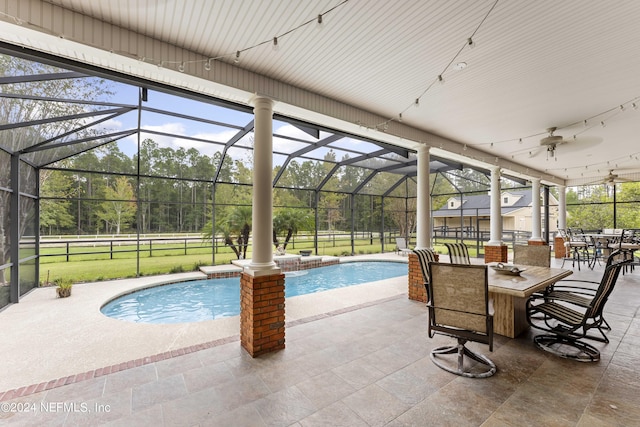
[(401, 73)]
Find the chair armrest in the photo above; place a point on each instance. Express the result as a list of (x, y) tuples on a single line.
[(566, 285), (579, 299), (572, 289), (592, 282), (562, 285)]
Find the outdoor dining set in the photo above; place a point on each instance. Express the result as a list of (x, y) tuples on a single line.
[(591, 248), (472, 302)]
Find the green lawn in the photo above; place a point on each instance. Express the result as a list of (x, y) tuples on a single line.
[(89, 267), (85, 265)]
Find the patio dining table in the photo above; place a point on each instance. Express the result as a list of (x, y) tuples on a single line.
[(608, 242), (510, 292)]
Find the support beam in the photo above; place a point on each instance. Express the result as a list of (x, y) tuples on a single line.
[(495, 250), (262, 299), (423, 208), (536, 212), (14, 230), (495, 237), (562, 207)]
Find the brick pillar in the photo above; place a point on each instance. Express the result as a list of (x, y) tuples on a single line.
[(417, 291), (536, 243), (558, 247), (495, 253), (261, 313)]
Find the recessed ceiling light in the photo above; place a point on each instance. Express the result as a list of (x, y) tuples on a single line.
[(460, 66)]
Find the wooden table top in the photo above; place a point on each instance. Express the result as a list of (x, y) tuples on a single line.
[(531, 280)]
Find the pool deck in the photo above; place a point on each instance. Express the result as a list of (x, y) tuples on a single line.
[(47, 341), (356, 356)]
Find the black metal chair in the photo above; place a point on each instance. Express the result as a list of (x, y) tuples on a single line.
[(459, 307), (627, 243), (458, 253), (576, 246), (425, 256), (569, 313)]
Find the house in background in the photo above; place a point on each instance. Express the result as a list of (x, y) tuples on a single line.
[(471, 213)]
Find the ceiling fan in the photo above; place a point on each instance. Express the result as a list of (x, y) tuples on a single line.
[(612, 179), (552, 141)]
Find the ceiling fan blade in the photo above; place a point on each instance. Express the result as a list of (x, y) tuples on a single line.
[(570, 145)]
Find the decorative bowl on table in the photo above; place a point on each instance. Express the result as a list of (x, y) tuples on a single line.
[(509, 269)]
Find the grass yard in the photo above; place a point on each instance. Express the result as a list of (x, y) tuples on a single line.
[(88, 264), (89, 267)]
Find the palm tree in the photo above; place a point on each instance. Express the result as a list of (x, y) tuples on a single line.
[(291, 221), (240, 221), (237, 223)]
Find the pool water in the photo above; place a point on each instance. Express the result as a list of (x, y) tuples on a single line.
[(209, 299)]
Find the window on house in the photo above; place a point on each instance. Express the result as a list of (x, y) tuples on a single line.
[(505, 200)]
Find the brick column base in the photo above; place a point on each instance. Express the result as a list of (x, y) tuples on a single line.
[(417, 291), (558, 247), (536, 243), (495, 253), (261, 313)]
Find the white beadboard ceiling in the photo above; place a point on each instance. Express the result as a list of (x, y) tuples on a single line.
[(535, 65)]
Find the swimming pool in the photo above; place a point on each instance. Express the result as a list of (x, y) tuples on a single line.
[(200, 300)]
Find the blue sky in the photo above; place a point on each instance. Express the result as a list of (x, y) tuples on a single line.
[(127, 94)]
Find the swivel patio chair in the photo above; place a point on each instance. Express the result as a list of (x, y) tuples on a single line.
[(459, 307), (581, 291), (458, 253), (425, 256), (568, 314), (535, 255)]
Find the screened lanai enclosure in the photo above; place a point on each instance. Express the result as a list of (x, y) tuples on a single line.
[(100, 169), (125, 175)]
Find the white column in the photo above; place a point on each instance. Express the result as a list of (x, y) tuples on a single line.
[(536, 226), (562, 206), (423, 208), (495, 238), (262, 221)]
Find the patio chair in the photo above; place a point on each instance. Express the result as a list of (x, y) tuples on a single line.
[(536, 255), (402, 246), (459, 307), (458, 253), (425, 256), (627, 243), (569, 313), (601, 249), (576, 247)]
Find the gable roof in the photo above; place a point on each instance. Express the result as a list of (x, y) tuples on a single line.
[(480, 204)]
